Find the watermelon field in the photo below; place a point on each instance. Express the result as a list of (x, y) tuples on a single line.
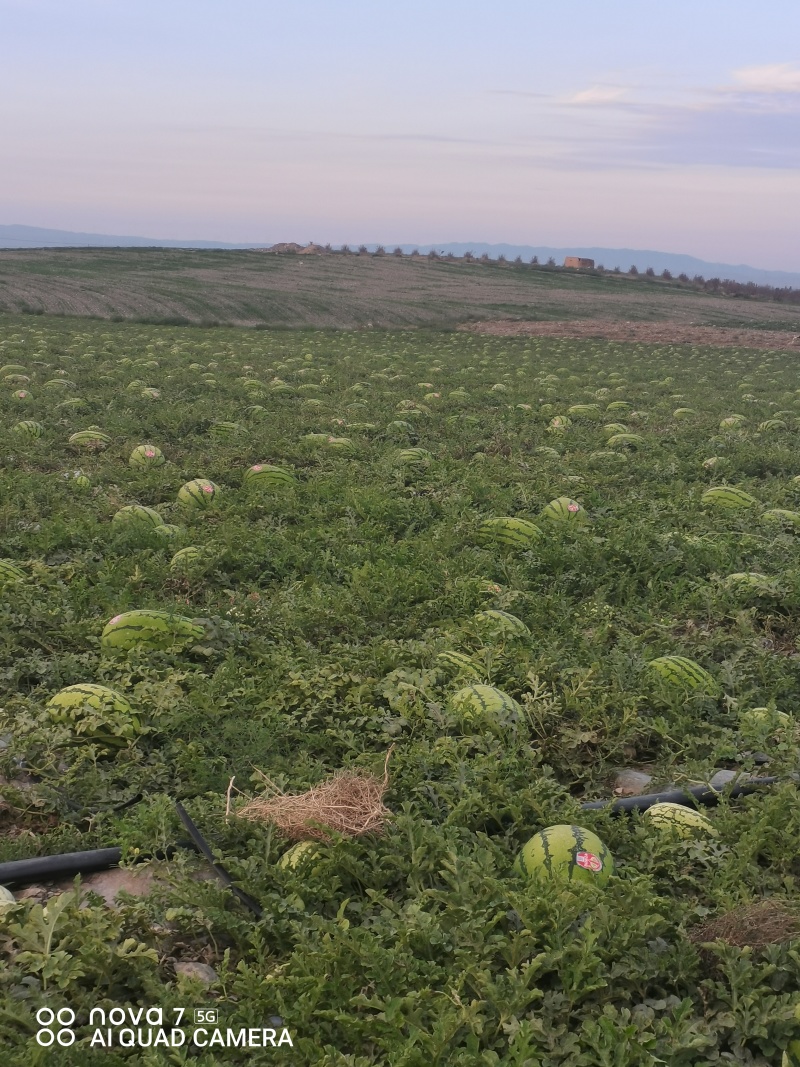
[(498, 578)]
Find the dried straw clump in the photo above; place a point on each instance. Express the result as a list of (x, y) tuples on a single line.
[(767, 922), (347, 803)]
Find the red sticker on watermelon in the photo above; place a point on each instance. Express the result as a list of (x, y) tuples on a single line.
[(589, 861), (573, 507), (256, 468), (208, 488)]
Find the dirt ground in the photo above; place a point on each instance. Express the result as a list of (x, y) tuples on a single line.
[(664, 333)]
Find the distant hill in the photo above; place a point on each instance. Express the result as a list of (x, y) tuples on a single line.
[(37, 237)]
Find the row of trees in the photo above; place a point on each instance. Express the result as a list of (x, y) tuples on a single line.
[(722, 286)]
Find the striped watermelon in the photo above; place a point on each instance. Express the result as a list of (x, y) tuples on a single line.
[(146, 456), (683, 413), (81, 482), (10, 572), (501, 622), (681, 672), (483, 702), (186, 559), (509, 532), (619, 405), (223, 431), (139, 515), (563, 509), (12, 368), (59, 383), (772, 426), (156, 630), (167, 530), (750, 582), (584, 411), (150, 394), (341, 444), (732, 422), (300, 855), (198, 493), (725, 496), (559, 423), (625, 440), (23, 396), (781, 515), (95, 713), (398, 427), (66, 705), (413, 457), (684, 821), (612, 428), (462, 663), (92, 439), (28, 428), (267, 476), (566, 852)]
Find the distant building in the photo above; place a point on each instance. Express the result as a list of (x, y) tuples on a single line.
[(576, 261)]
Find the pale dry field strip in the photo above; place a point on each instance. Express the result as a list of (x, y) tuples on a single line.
[(350, 292)]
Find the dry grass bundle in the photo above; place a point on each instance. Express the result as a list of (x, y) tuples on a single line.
[(768, 922), (347, 803)]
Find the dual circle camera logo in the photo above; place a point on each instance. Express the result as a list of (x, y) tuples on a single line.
[(48, 1020)]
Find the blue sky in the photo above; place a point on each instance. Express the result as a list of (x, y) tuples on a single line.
[(672, 126)]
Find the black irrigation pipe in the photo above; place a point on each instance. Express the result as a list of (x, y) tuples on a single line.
[(50, 868), (690, 796)]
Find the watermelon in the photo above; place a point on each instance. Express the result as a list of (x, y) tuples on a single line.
[(167, 530), (341, 444), (684, 821), (462, 663), (267, 476), (563, 509), (604, 458), (679, 671), (612, 428), (96, 713), (10, 572), (28, 428), (725, 496), (750, 582), (584, 411), (683, 413), (93, 439), (137, 514), (732, 422), (483, 702), (198, 493), (146, 456), (23, 396), (559, 423), (509, 532), (225, 430), (781, 515), (149, 629), (566, 852), (625, 440), (12, 368), (772, 425), (300, 855), (186, 559), (618, 405), (501, 622), (758, 719), (413, 457)]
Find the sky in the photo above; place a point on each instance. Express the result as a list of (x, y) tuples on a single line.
[(672, 126)]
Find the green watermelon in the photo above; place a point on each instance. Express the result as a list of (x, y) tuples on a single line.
[(725, 496), (563, 509), (509, 532), (679, 671), (137, 514), (146, 456), (571, 853), (267, 476), (501, 622), (149, 629), (483, 702), (199, 493), (10, 572)]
